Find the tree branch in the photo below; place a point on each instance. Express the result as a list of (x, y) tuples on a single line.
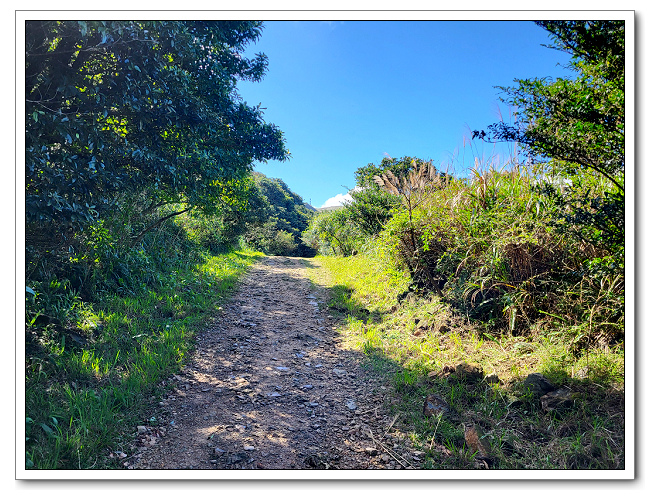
[(139, 237)]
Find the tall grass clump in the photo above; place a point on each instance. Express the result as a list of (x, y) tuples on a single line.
[(488, 246)]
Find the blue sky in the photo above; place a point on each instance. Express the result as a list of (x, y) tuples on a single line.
[(346, 94)]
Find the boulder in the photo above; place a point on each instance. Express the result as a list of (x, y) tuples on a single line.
[(537, 384), (475, 442), (556, 401), (468, 373)]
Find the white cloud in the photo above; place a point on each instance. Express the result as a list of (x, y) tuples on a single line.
[(337, 200)]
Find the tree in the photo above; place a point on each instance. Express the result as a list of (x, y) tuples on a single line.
[(330, 232), (284, 219), (578, 123), (370, 209), (371, 206), (398, 166), (116, 109)]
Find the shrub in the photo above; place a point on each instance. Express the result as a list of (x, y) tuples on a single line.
[(487, 246), (330, 233)]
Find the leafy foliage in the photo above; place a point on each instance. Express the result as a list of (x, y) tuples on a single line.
[(371, 208), (580, 121), (282, 216), (365, 176), (330, 233), (128, 126), (119, 108), (580, 125)]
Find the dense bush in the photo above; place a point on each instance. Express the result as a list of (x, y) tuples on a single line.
[(330, 233), (115, 109), (489, 247), (349, 229)]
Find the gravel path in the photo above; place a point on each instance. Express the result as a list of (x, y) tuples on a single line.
[(271, 387)]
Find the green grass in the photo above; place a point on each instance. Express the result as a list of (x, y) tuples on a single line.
[(88, 385), (407, 342)]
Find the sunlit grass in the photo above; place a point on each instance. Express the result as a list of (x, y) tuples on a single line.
[(406, 342), (81, 398)]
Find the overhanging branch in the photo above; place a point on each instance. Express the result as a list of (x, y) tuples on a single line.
[(139, 237)]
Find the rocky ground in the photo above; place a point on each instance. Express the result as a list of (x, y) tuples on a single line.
[(271, 387)]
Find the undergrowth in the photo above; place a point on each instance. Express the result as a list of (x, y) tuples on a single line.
[(411, 340), (97, 347)]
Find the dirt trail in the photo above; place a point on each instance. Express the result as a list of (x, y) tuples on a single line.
[(270, 387)]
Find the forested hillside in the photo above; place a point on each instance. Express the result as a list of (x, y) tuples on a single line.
[(284, 217)]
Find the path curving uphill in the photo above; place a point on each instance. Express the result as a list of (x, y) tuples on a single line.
[(271, 387)]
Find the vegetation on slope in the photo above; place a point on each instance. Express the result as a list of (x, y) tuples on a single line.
[(416, 344), (141, 216), (283, 218), (93, 366), (511, 271)]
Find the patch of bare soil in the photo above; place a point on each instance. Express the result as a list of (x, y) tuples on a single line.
[(270, 387)]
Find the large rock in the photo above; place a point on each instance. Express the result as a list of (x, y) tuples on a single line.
[(434, 405), (556, 401), (475, 441), (537, 384), (468, 373)]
